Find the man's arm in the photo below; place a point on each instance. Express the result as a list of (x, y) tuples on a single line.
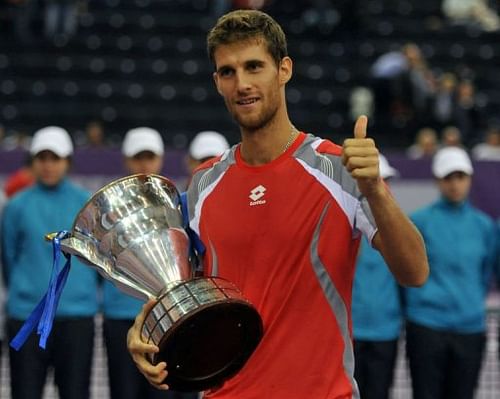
[(397, 238)]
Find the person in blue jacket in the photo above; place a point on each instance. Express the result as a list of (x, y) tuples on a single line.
[(446, 317), (143, 152), (497, 269), (2, 292), (377, 316), (48, 206)]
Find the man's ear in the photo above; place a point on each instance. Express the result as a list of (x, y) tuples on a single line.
[(285, 70), (216, 81)]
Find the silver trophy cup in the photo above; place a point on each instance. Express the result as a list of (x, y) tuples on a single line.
[(132, 232)]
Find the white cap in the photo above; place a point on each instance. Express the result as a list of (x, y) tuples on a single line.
[(449, 160), (54, 139), (142, 139), (208, 144), (386, 170)]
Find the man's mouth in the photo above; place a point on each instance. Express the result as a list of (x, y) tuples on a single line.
[(247, 101)]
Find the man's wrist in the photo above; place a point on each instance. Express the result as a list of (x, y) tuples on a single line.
[(375, 191)]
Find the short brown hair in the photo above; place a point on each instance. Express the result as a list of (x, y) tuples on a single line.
[(242, 25)]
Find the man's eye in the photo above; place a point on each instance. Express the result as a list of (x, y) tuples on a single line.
[(253, 67), (225, 72)]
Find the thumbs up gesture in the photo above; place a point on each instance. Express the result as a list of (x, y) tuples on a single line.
[(360, 157)]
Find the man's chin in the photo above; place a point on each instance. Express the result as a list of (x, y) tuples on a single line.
[(249, 123)]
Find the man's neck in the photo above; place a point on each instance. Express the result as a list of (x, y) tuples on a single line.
[(259, 147)]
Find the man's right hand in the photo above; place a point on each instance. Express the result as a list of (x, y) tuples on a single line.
[(139, 351)]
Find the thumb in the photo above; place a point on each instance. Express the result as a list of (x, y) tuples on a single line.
[(360, 127)]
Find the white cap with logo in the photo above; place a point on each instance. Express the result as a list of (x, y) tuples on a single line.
[(142, 139), (449, 160), (54, 139), (208, 144), (386, 170)]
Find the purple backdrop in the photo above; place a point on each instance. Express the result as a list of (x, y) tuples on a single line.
[(485, 189)]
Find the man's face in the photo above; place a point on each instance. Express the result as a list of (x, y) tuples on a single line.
[(455, 187), (250, 82), (144, 162), (49, 169)]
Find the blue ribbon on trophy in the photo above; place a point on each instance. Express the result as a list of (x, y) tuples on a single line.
[(43, 315)]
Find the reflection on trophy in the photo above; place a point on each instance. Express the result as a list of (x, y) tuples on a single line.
[(132, 232)]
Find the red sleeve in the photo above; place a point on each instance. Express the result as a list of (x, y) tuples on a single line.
[(327, 147)]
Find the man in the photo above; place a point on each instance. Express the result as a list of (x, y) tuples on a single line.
[(143, 152), (51, 204), (280, 216), (447, 317), (377, 316)]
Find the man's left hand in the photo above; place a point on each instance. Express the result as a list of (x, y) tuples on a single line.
[(360, 157)]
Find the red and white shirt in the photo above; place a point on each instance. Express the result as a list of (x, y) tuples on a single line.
[(286, 234)]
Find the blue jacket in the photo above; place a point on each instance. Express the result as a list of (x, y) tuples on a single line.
[(117, 305), (376, 306), (27, 257), (497, 263), (461, 245)]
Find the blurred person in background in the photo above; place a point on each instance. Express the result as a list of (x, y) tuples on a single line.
[(377, 316), (476, 12), (3, 288), (403, 85), (467, 114), (360, 102), (143, 151), (16, 140), (443, 103), (204, 146), (50, 205), (489, 149), (425, 146), (446, 317), (93, 136), (451, 136), (61, 20), (20, 179)]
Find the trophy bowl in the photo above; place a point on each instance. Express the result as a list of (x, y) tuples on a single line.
[(132, 232)]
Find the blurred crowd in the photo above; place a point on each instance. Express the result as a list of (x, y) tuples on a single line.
[(436, 107)]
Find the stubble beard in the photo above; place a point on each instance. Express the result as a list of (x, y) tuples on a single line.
[(263, 119)]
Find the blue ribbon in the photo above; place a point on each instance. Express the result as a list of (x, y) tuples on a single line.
[(196, 243), (44, 313)]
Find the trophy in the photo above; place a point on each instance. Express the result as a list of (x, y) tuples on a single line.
[(132, 232)]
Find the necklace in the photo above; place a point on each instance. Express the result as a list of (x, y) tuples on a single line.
[(293, 132)]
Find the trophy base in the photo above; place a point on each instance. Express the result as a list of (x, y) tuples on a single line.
[(205, 330)]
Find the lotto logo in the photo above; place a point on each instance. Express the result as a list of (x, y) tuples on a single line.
[(256, 194)]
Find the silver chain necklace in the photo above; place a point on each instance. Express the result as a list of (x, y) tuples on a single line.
[(290, 139)]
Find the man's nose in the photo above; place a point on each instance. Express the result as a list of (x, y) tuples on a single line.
[(242, 82)]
